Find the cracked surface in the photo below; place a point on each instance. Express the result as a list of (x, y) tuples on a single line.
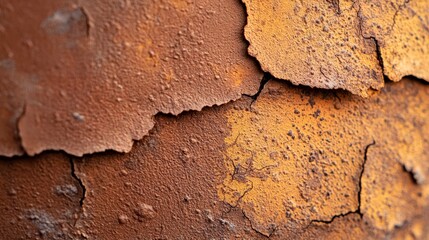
[(298, 156), (86, 76), (39, 198), (313, 43), (270, 160), (395, 183), (191, 177), (340, 44), (401, 29)]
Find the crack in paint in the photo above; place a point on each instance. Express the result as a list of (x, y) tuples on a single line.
[(365, 159), (272, 231), (358, 210), (79, 180), (379, 58), (265, 79), (400, 7), (17, 129)]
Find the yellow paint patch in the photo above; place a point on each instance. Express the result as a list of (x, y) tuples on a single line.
[(313, 43), (389, 195), (300, 155), (150, 59), (401, 28), (286, 160)]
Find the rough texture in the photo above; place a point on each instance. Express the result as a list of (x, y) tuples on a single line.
[(281, 162), (299, 156), (330, 165), (401, 28), (39, 198), (86, 76), (340, 44), (313, 43)]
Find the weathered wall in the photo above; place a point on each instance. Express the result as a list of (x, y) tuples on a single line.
[(282, 162)]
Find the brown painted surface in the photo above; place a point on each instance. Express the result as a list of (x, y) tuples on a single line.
[(87, 76), (39, 198), (284, 162), (340, 173)]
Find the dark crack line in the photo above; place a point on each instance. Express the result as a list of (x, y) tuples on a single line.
[(365, 159), (358, 210), (379, 57), (374, 39), (18, 132), (400, 7), (82, 186), (330, 220), (267, 77), (242, 195), (256, 230)]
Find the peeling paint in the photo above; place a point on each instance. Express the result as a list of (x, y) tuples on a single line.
[(105, 69), (299, 158), (291, 162), (340, 44), (401, 28), (252, 157), (311, 43)]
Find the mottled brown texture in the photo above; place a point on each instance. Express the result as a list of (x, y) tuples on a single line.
[(39, 198), (86, 76), (169, 185), (165, 188)]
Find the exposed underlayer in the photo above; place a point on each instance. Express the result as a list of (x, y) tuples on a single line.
[(204, 144), (330, 165), (88, 76)]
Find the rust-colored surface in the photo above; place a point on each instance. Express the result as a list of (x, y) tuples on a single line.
[(327, 166), (221, 151), (299, 156), (39, 198), (402, 31), (340, 44), (86, 76)]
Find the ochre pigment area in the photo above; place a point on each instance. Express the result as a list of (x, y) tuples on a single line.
[(298, 156), (401, 29), (340, 44), (198, 119), (313, 43), (329, 166)]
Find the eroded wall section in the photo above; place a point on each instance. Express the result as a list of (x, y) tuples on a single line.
[(327, 166)]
